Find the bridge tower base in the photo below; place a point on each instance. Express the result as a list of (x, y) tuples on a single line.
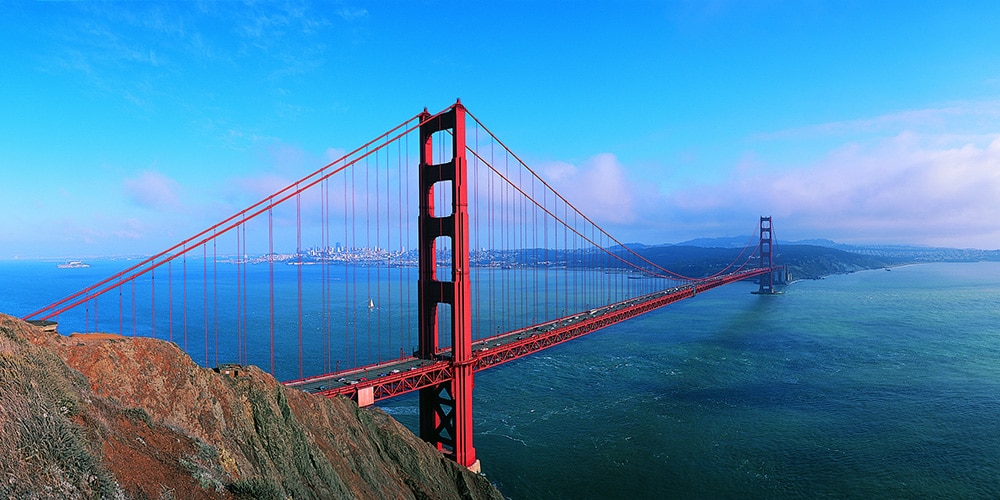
[(446, 409)]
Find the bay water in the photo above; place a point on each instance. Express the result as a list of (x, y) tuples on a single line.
[(877, 384)]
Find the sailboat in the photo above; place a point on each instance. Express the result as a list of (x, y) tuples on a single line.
[(371, 304)]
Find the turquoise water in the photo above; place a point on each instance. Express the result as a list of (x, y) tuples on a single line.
[(870, 385)]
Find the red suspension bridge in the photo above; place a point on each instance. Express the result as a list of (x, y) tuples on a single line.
[(425, 255)]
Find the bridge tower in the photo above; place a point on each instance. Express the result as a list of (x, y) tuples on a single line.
[(446, 409), (766, 256)]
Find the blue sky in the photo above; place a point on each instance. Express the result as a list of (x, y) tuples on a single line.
[(127, 126)]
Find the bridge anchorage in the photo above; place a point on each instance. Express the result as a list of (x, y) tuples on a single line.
[(505, 267)]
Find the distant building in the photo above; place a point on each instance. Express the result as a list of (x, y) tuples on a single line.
[(229, 369), (46, 326)]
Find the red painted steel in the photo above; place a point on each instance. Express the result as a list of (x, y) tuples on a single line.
[(766, 256), (442, 375), (446, 407), (211, 234), (270, 279), (416, 374), (653, 268)]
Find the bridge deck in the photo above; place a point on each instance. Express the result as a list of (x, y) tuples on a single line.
[(380, 381)]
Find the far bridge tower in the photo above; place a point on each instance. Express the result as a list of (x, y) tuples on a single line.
[(766, 248)]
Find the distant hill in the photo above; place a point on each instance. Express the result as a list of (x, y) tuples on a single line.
[(811, 259), (803, 261), (818, 243), (700, 258), (910, 253), (721, 242), (692, 261), (813, 262)]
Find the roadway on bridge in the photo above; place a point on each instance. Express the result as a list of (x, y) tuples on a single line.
[(380, 381)]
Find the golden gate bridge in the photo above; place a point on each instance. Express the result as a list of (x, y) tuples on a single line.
[(411, 271)]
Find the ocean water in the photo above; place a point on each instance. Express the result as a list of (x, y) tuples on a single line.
[(877, 384), (870, 385)]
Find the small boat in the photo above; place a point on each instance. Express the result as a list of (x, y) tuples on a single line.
[(73, 264)]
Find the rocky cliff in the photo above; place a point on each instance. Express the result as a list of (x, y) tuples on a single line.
[(115, 417)]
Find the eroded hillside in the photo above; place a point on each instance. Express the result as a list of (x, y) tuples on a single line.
[(136, 418)]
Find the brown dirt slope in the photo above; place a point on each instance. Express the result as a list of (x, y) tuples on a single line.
[(114, 417)]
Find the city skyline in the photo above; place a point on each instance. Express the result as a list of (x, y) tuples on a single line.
[(128, 127)]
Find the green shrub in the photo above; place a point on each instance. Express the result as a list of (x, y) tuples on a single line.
[(257, 488)]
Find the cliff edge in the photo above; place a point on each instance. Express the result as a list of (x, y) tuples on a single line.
[(116, 417)]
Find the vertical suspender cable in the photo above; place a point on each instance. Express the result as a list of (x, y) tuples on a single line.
[(557, 292), (491, 213), (526, 305), (204, 295), (378, 263), (409, 282), (325, 267), (270, 279), (565, 260), (385, 310), (239, 298), (474, 223), (403, 180), (170, 300), (328, 281), (387, 256), (579, 261), (184, 286), (368, 245), (152, 298), (511, 294), (506, 292), (246, 305), (536, 246), (545, 245), (215, 293), (347, 278), (354, 268), (298, 272)]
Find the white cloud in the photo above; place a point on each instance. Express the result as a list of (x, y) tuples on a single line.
[(151, 189), (334, 154), (352, 14), (939, 189), (944, 121), (905, 189), (261, 186), (287, 163), (598, 188), (131, 229)]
